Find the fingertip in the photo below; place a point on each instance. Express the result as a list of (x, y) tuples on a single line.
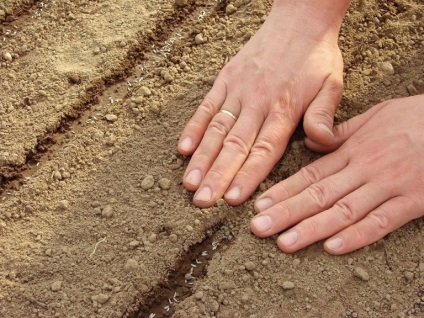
[(314, 146), (186, 146), (192, 179), (335, 246), (263, 204), (260, 225), (319, 133)]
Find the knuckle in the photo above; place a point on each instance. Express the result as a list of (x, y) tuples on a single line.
[(357, 237), (262, 149), (319, 194), (346, 211), (379, 220), (288, 213), (237, 144), (200, 156), (218, 127), (216, 173), (310, 174), (312, 227), (208, 107)]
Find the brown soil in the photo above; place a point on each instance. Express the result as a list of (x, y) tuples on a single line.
[(94, 221)]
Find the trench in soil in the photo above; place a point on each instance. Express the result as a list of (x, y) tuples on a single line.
[(192, 265), (13, 176)]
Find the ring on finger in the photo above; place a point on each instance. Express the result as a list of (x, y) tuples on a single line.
[(226, 112)]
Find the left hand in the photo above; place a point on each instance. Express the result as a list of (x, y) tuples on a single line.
[(370, 186)]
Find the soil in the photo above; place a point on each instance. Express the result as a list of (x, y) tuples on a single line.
[(94, 221)]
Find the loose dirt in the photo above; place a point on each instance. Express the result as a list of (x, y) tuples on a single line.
[(94, 221)]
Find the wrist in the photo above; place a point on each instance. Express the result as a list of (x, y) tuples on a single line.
[(317, 19)]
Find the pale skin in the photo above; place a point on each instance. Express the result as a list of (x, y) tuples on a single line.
[(292, 68)]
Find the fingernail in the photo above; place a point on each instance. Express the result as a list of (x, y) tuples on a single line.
[(186, 144), (263, 204), (233, 194), (289, 238), (325, 128), (334, 244), (205, 194), (194, 177), (262, 223)]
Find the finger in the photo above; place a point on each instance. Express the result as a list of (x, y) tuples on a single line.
[(211, 144), (344, 131), (345, 212), (319, 117), (313, 173), (267, 149), (314, 199), (235, 149), (386, 218), (196, 127)]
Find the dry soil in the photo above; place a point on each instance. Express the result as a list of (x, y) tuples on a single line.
[(94, 221)]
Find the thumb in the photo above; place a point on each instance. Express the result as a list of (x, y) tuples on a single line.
[(345, 130), (319, 117)]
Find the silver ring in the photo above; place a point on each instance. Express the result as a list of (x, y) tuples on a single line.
[(226, 112)]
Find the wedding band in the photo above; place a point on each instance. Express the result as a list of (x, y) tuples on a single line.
[(226, 112)]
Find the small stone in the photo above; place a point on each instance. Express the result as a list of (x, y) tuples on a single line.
[(74, 78), (134, 244), (412, 90), (152, 238), (173, 238), (199, 295), (56, 286), (230, 9), (164, 183), (66, 175), (288, 285), (361, 273), (57, 175), (220, 202), (167, 77), (64, 204), (199, 39), (145, 91), (386, 68), (250, 266), (138, 100), (48, 252), (100, 298), (189, 228), (111, 117), (107, 211), (181, 3), (148, 183), (7, 57), (96, 50), (409, 276), (131, 265), (226, 285)]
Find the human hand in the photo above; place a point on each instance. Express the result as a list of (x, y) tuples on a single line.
[(371, 185), (291, 66)]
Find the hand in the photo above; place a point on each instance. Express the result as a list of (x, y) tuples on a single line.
[(288, 68), (370, 186)]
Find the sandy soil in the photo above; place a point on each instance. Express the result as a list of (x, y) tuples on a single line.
[(94, 221)]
